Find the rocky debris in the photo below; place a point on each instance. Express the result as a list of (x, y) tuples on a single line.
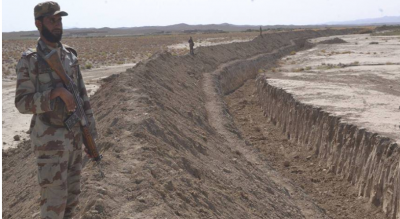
[(17, 138), (335, 40), (286, 163)]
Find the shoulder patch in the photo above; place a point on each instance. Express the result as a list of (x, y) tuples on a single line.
[(29, 52), (71, 50)]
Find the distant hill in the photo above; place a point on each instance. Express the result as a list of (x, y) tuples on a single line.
[(149, 30), (387, 20), (188, 29)]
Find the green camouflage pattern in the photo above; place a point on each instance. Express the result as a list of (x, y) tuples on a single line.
[(35, 80), (48, 8), (59, 175)]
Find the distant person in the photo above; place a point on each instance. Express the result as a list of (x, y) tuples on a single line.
[(41, 92), (261, 32), (191, 45)]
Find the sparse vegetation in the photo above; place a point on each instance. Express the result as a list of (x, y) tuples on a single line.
[(297, 69), (347, 52), (88, 65), (325, 66), (106, 51), (388, 33), (365, 31)]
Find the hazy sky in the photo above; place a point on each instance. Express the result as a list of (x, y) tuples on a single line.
[(17, 15)]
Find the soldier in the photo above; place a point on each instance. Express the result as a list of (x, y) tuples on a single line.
[(191, 44), (261, 32), (41, 92)]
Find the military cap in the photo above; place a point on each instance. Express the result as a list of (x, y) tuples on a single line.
[(48, 8)]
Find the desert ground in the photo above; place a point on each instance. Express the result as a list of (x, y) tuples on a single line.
[(227, 133), (357, 80), (116, 55)]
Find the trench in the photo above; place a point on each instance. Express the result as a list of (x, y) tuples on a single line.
[(366, 160), (169, 145)]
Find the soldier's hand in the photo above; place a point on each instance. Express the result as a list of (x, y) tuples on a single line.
[(66, 96)]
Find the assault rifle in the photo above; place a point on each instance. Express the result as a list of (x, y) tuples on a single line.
[(79, 115)]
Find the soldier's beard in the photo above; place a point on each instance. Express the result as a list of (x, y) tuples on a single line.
[(54, 38)]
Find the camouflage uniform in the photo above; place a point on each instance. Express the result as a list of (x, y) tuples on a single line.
[(58, 151), (191, 44)]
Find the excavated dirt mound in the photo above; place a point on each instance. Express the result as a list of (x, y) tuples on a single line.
[(335, 40), (170, 148)]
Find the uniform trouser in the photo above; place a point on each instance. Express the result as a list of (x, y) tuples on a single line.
[(59, 174)]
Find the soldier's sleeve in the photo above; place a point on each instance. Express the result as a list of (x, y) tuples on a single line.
[(86, 105), (27, 99)]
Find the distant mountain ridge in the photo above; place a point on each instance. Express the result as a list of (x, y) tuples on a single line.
[(186, 28), (387, 20), (148, 30)]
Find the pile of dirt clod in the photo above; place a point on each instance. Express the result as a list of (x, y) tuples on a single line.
[(162, 158), (335, 40)]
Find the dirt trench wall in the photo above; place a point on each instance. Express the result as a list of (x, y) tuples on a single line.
[(233, 76), (367, 160), (157, 143)]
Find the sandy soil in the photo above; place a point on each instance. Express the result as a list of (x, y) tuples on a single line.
[(207, 42), (331, 192), (92, 79), (10, 114), (172, 149), (357, 80)]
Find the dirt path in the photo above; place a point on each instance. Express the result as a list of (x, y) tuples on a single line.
[(10, 113), (334, 195), (220, 119)]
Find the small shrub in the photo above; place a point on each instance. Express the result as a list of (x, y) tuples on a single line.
[(365, 31), (297, 69), (88, 65), (308, 68)]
